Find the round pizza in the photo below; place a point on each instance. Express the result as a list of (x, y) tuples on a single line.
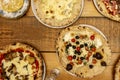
[(20, 62), (117, 71), (109, 8), (57, 13), (83, 50), (13, 8)]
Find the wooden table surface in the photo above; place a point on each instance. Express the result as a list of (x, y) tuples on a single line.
[(28, 29)]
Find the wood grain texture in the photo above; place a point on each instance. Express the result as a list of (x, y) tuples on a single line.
[(28, 29), (108, 74)]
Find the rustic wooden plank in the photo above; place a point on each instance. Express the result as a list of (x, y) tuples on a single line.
[(53, 62), (28, 29), (88, 11)]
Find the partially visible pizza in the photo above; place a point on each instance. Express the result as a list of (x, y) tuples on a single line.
[(109, 8), (117, 71), (57, 13), (13, 8), (20, 62), (83, 51)]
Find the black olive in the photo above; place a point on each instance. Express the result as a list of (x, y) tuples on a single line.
[(78, 52), (81, 46), (98, 56), (74, 57), (74, 47), (103, 63), (77, 37), (82, 58), (85, 44), (67, 46), (91, 66), (77, 42), (69, 67)]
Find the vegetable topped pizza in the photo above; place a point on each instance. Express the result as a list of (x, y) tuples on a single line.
[(83, 51), (109, 8), (20, 62)]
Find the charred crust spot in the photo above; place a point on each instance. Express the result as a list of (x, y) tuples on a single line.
[(68, 29), (51, 11), (47, 12), (83, 27), (14, 43), (53, 17), (103, 50)]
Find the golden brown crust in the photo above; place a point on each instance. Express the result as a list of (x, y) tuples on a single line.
[(80, 70), (103, 10)]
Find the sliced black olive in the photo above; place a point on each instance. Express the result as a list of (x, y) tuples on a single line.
[(85, 44), (74, 57), (77, 52), (74, 47), (77, 37), (91, 66), (81, 46), (98, 56), (77, 42), (82, 58), (103, 63), (68, 45), (69, 67)]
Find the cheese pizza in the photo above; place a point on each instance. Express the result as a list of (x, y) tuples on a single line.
[(20, 62), (57, 13), (83, 51), (109, 8), (13, 8)]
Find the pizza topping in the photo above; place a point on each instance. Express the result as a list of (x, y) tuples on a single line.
[(98, 56), (92, 37), (103, 63), (69, 67), (112, 6), (73, 40), (69, 58), (91, 66)]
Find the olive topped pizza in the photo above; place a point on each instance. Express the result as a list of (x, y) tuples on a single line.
[(83, 51), (20, 62), (109, 8), (57, 13)]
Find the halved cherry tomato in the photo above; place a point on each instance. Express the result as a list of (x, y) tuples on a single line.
[(93, 49), (92, 37), (94, 61), (79, 61), (70, 58), (78, 48), (73, 40)]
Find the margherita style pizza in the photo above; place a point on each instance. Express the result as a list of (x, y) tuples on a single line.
[(83, 51), (109, 8), (57, 13), (20, 62), (117, 71)]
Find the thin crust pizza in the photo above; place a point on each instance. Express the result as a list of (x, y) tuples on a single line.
[(20, 62), (117, 71), (57, 13), (83, 51), (13, 8), (109, 8)]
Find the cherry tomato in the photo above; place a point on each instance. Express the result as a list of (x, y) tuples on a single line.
[(79, 61), (78, 48), (70, 58), (92, 37), (94, 61), (93, 49), (73, 40)]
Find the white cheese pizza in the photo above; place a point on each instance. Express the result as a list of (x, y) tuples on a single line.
[(109, 8), (13, 8), (57, 13), (83, 51), (20, 62)]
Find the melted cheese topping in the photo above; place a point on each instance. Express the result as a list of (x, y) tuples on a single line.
[(62, 8), (21, 67), (11, 5)]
